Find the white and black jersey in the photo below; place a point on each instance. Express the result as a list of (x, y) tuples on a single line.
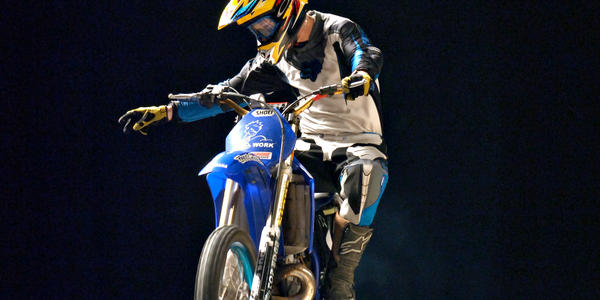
[(336, 47)]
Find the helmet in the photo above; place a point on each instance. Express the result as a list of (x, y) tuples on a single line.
[(274, 23)]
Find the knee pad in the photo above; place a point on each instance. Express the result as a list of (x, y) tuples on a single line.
[(362, 184)]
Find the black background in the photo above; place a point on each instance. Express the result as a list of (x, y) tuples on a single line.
[(490, 115)]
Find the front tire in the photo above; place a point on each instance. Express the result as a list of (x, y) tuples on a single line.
[(226, 265)]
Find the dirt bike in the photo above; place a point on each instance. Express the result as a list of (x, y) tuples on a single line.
[(273, 233)]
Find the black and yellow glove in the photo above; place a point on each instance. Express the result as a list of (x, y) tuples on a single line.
[(145, 116), (351, 91)]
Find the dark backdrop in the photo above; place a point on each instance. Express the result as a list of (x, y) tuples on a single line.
[(489, 115)]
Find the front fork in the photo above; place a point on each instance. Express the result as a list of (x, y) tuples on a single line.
[(228, 207), (269, 240)]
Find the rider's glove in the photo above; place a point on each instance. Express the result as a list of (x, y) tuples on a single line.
[(145, 116), (361, 90), (206, 97)]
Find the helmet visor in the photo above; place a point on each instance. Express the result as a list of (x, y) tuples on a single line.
[(264, 28)]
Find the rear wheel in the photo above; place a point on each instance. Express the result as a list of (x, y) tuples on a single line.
[(226, 265)]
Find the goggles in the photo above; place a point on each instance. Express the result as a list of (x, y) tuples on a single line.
[(264, 28)]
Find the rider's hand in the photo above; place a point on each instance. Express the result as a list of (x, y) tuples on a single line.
[(361, 90), (206, 97), (143, 116)]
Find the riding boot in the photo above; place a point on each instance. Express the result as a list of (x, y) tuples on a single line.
[(339, 277)]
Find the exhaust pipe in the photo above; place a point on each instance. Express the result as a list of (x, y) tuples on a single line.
[(300, 271)]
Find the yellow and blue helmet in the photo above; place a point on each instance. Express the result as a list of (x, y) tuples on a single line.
[(274, 23)]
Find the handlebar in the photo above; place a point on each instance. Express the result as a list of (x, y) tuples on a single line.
[(224, 97)]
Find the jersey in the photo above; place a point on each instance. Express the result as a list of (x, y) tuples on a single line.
[(336, 47)]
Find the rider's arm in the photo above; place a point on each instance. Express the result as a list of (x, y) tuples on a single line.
[(189, 111), (254, 78), (358, 51)]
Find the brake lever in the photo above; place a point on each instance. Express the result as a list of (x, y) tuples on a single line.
[(333, 89), (357, 83), (217, 92), (183, 96)]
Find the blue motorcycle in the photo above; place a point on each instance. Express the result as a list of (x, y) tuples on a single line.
[(273, 234)]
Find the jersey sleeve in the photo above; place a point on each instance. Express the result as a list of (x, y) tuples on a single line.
[(357, 49), (255, 77), (189, 111)]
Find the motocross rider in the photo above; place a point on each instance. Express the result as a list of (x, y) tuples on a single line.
[(341, 140)]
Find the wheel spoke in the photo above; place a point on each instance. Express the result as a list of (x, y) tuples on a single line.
[(233, 286)]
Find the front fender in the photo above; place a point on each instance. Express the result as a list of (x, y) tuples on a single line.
[(254, 179)]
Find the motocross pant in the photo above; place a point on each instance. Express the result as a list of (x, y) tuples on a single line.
[(358, 172)]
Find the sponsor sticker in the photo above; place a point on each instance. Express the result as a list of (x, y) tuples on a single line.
[(263, 155), (252, 136), (263, 145), (246, 157), (262, 113)]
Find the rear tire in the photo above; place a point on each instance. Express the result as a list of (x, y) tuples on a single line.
[(226, 265)]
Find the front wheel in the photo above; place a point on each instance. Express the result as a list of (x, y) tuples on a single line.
[(226, 265)]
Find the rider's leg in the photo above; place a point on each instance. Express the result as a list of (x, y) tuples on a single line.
[(362, 182)]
